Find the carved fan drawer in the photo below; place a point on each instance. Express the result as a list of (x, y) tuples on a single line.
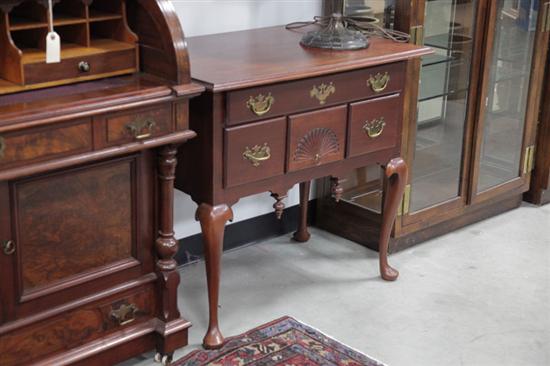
[(281, 99), (37, 71), (316, 138), (374, 125), (255, 152), (76, 327), (139, 125), (38, 144)]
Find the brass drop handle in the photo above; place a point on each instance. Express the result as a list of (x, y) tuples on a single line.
[(260, 104), (375, 127), (8, 247), (379, 82), (125, 314), (141, 129), (257, 154), (2, 147), (322, 92), (84, 66)]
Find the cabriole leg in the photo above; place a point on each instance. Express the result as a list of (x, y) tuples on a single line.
[(396, 172), (213, 220)]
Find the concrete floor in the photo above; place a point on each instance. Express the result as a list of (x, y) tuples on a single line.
[(477, 296)]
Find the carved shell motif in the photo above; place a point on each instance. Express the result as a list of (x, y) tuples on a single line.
[(317, 144)]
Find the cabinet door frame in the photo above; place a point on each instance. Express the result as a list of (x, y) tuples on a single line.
[(446, 210), (521, 183), (72, 288)]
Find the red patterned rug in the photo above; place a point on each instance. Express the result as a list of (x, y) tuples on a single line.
[(283, 342)]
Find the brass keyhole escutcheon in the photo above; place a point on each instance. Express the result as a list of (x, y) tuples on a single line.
[(84, 66), (375, 127), (260, 104), (257, 154), (8, 247), (322, 92), (379, 82)]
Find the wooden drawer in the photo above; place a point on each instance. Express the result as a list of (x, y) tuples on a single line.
[(139, 124), (316, 138), (255, 152), (124, 61), (374, 125), (38, 144), (77, 327), (285, 98)]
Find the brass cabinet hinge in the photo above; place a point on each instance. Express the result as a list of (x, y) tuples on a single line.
[(417, 35), (546, 17), (529, 159), (404, 208)]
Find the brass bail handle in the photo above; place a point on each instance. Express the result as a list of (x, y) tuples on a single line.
[(375, 127), (141, 129), (2, 147), (379, 82), (257, 154), (125, 314), (261, 104)]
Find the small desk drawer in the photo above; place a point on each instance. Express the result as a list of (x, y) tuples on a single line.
[(38, 144), (317, 138), (76, 327), (291, 97), (374, 125), (255, 152), (139, 125), (81, 67)]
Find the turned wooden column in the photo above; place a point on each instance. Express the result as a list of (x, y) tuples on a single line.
[(302, 235), (166, 244), (213, 220), (396, 172)]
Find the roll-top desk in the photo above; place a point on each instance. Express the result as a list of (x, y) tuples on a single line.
[(276, 114), (87, 160)]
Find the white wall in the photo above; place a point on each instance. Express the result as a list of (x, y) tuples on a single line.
[(199, 17)]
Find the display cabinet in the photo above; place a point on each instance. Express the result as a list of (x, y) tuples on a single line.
[(539, 192), (470, 131)]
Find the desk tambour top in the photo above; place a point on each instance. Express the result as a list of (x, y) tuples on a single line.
[(244, 59)]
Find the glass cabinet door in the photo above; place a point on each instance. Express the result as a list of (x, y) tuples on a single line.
[(449, 27), (506, 93)]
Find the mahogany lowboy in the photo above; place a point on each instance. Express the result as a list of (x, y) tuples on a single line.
[(87, 269), (276, 114)]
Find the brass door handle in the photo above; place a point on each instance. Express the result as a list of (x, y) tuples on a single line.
[(260, 104), (375, 127), (322, 92), (141, 129), (379, 82), (125, 314), (257, 154), (2, 147), (8, 247)]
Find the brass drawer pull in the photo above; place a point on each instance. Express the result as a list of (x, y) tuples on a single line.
[(261, 104), (8, 247), (84, 66), (379, 82), (141, 129), (125, 314), (375, 127), (257, 154), (322, 92), (2, 147)]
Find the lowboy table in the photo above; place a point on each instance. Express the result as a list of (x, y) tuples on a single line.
[(276, 114)]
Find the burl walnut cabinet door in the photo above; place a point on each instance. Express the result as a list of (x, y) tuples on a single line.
[(75, 231)]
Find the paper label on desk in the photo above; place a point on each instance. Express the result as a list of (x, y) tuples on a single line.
[(53, 48)]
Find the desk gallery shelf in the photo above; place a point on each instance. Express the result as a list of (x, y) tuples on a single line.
[(89, 34)]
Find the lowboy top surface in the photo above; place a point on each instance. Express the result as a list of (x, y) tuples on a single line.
[(243, 59)]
